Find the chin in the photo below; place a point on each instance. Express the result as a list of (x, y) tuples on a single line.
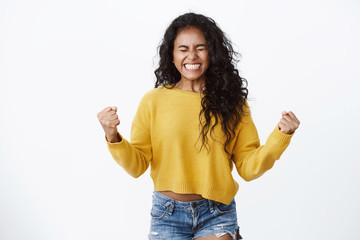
[(193, 78)]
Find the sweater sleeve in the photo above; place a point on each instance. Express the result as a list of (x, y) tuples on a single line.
[(135, 156), (251, 159)]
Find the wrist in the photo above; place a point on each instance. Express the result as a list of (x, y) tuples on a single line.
[(113, 138)]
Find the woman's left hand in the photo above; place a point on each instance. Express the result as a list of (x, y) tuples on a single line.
[(288, 123)]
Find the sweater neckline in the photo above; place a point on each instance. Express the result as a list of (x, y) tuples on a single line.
[(183, 91)]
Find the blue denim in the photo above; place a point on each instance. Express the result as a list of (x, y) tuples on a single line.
[(177, 220)]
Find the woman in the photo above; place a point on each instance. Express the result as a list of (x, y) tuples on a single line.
[(192, 128)]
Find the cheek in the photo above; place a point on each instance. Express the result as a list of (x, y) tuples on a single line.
[(206, 58), (177, 60), (177, 64)]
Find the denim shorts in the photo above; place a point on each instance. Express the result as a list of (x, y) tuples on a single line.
[(172, 219)]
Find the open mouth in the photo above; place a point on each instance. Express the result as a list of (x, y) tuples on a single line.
[(192, 66)]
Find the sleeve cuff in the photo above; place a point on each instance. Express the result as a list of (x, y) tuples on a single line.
[(280, 137)]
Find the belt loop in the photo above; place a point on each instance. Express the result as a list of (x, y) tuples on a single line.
[(211, 206), (169, 206)]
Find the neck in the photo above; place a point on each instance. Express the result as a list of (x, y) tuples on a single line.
[(191, 85)]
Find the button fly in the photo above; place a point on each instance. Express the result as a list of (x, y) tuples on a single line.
[(194, 205)]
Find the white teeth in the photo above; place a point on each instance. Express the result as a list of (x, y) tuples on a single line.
[(192, 66)]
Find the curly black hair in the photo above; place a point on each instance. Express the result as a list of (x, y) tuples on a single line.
[(225, 91)]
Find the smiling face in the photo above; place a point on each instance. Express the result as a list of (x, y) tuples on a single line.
[(191, 56)]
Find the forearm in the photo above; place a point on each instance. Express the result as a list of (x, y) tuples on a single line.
[(134, 159), (259, 159)]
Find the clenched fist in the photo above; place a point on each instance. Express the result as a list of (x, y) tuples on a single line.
[(109, 121), (288, 123)]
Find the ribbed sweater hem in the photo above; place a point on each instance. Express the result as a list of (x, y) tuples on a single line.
[(220, 195)]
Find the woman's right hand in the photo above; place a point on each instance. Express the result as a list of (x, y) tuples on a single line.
[(109, 121)]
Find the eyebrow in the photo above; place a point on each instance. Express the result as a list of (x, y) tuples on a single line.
[(199, 45)]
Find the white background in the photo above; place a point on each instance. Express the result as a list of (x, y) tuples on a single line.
[(61, 62)]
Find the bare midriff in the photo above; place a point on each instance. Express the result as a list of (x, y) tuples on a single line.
[(182, 197)]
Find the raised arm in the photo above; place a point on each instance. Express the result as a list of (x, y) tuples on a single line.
[(133, 156), (251, 159)]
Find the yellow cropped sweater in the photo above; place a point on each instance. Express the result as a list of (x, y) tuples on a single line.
[(165, 135)]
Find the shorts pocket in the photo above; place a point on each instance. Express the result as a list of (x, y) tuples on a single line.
[(159, 210), (223, 208)]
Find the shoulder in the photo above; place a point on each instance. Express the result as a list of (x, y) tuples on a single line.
[(156, 93), (153, 96), (246, 117), (246, 108), (153, 92)]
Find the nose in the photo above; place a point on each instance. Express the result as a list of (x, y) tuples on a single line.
[(192, 54)]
